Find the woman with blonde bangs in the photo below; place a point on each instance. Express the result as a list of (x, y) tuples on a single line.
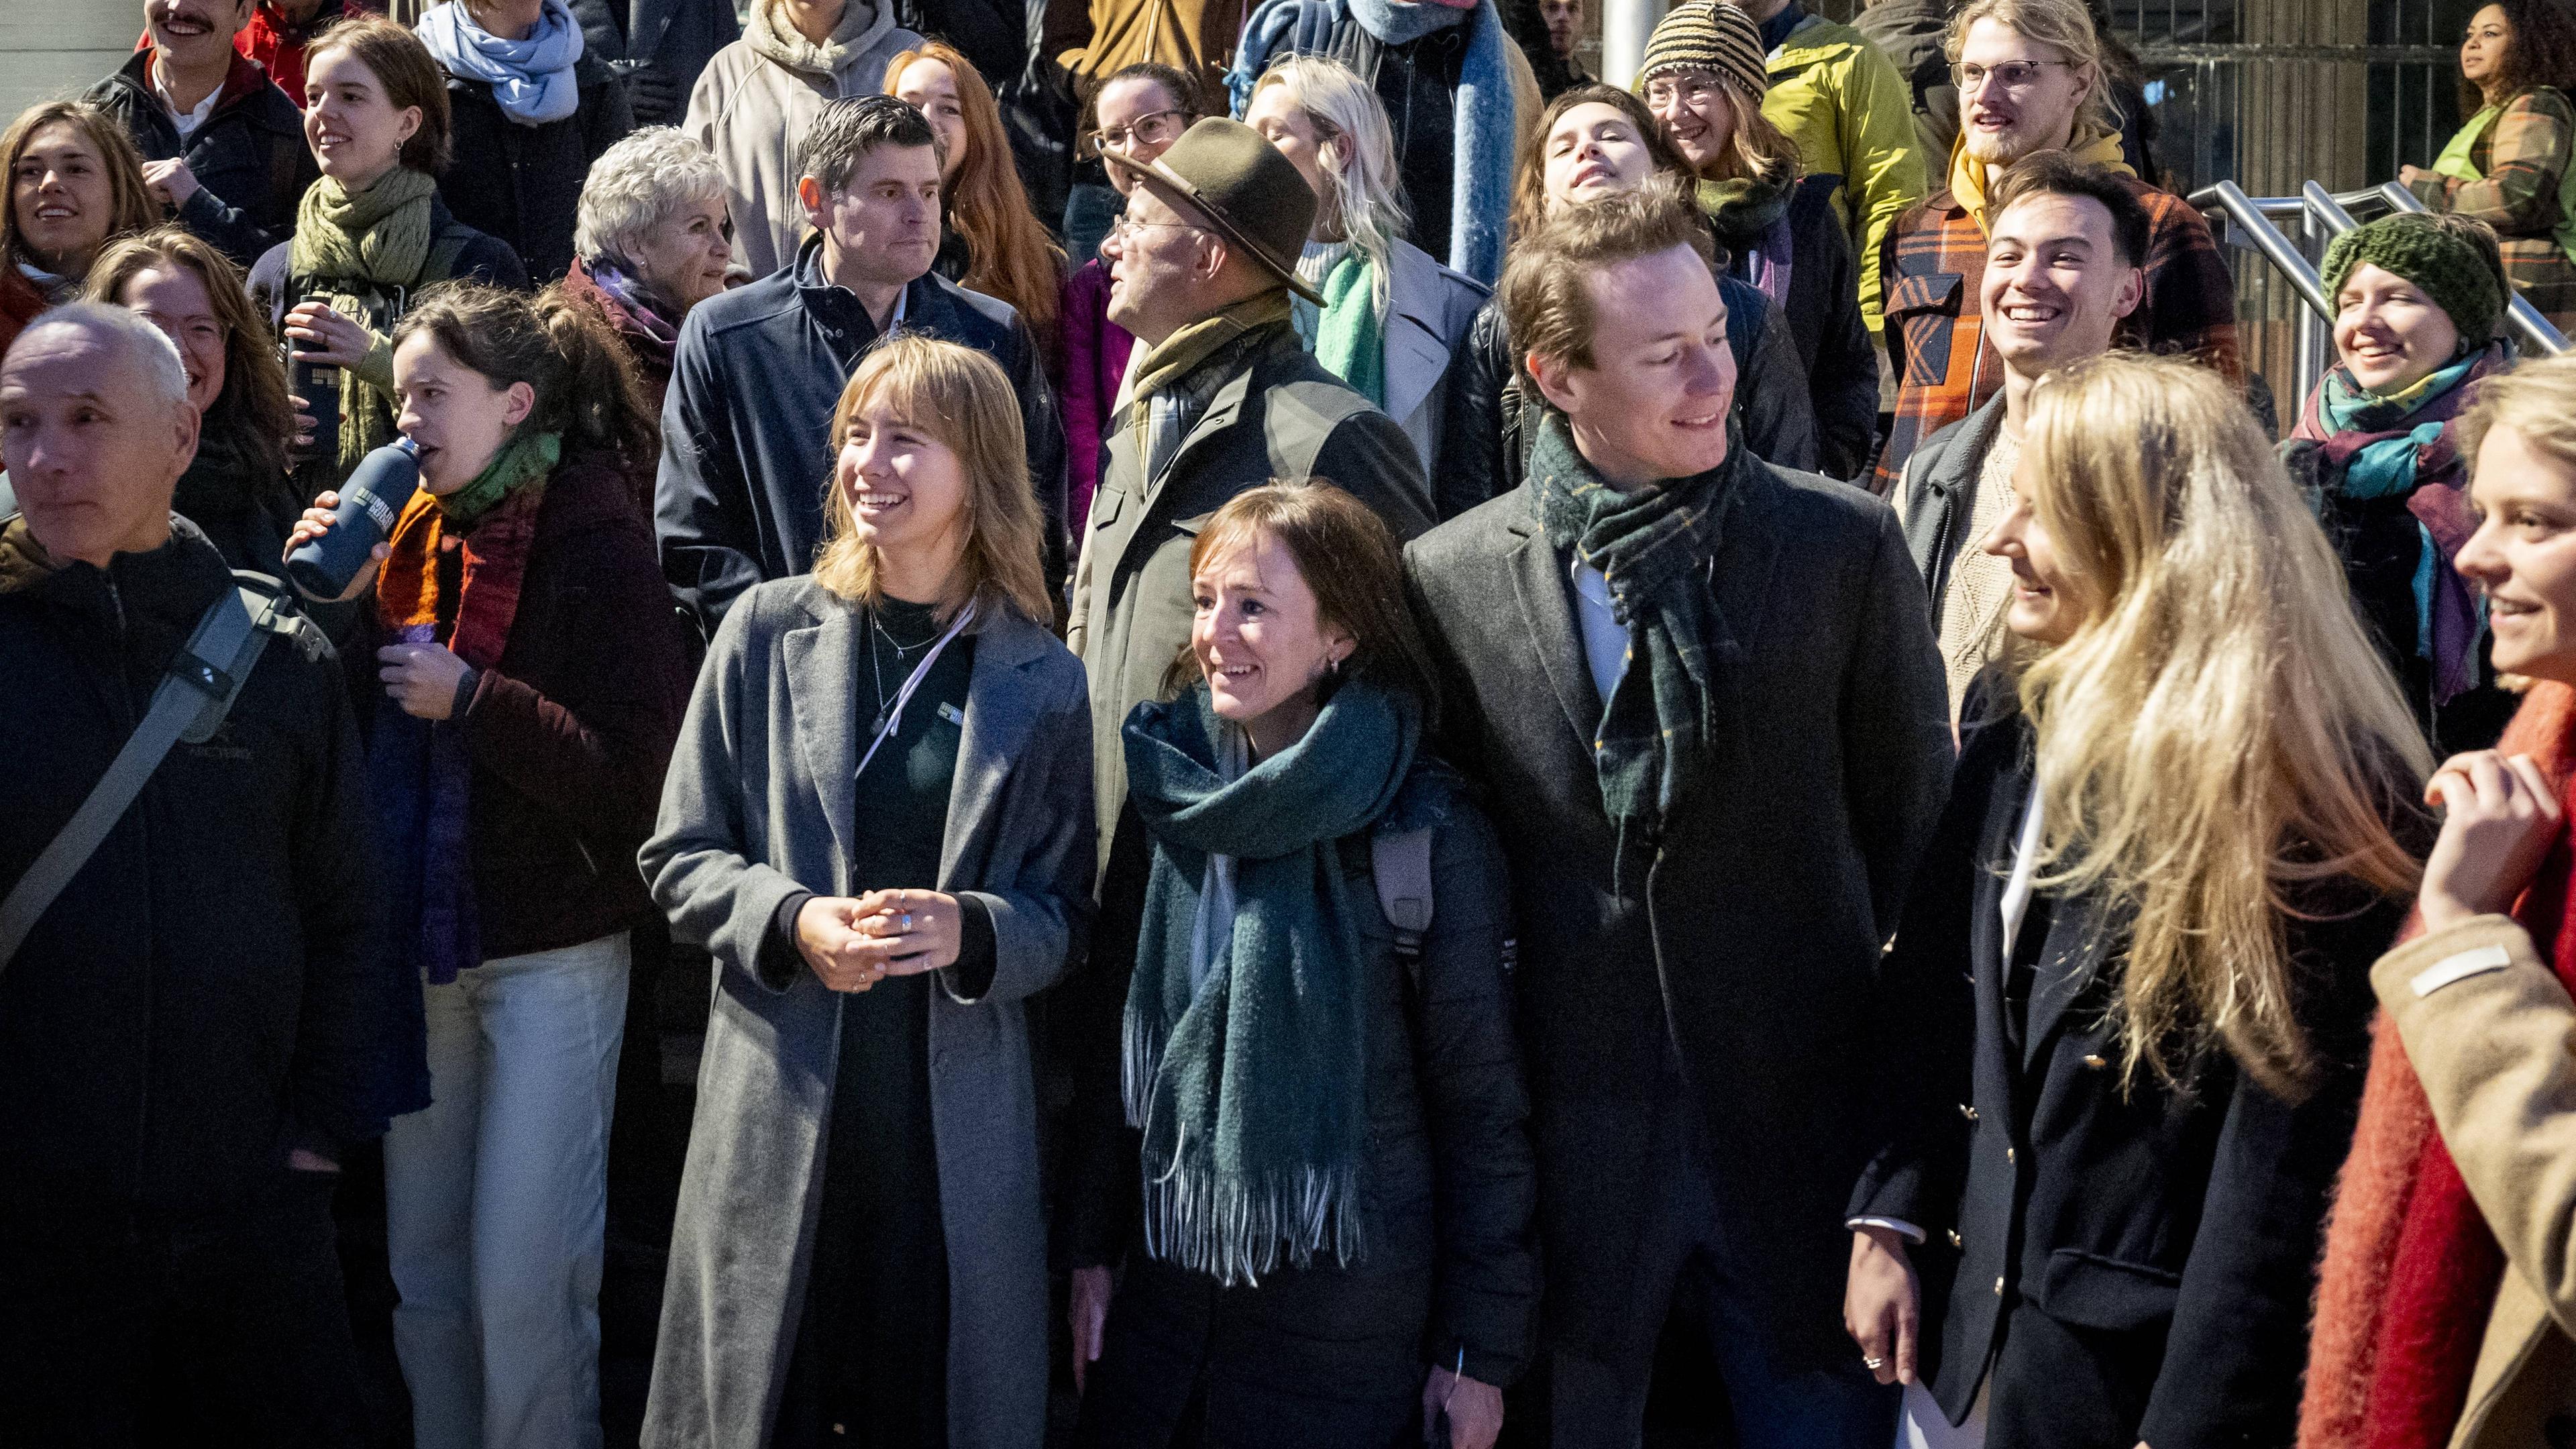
[(879, 821), (2126, 1014), (991, 242)]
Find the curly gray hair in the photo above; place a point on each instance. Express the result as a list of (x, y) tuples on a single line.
[(637, 185)]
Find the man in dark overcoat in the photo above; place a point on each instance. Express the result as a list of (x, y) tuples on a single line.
[(1703, 696)]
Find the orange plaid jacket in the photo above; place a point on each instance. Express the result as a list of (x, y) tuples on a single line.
[(1933, 266)]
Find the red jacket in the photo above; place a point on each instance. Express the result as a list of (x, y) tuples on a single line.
[(19, 303)]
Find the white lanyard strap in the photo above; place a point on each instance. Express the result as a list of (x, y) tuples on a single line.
[(892, 721)]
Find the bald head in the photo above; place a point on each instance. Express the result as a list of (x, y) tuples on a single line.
[(95, 429)]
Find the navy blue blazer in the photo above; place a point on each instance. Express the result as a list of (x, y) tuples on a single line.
[(746, 429)]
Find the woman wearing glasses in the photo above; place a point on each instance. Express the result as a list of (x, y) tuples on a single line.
[(2510, 166), (1703, 76), (1136, 113)]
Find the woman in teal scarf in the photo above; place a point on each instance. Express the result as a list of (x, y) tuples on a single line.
[(2417, 301), (1394, 321), (1333, 1249)]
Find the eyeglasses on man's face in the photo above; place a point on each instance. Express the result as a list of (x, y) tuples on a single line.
[(1156, 128), (2013, 75), (1125, 228)]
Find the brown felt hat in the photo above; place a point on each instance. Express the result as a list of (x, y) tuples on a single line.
[(1249, 193)]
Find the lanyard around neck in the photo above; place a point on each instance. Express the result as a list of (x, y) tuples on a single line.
[(891, 722)]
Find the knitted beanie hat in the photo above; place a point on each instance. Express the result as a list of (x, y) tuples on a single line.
[(2448, 269), (1710, 35)]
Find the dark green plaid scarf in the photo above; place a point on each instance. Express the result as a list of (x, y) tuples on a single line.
[(1652, 547), (1246, 1071)]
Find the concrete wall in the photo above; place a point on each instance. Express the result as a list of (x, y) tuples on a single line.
[(52, 48)]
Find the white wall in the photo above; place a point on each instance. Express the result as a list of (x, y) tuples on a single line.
[(54, 48)]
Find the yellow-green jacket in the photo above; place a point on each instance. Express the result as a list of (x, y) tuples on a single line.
[(1852, 116)]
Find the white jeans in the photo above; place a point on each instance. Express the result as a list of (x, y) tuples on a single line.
[(496, 1197)]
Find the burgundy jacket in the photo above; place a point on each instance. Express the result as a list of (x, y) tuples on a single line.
[(571, 732)]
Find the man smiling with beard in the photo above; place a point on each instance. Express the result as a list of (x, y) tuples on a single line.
[(222, 147), (2030, 79)]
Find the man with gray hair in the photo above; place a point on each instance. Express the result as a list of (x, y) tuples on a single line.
[(200, 1019), (747, 427), (650, 242)]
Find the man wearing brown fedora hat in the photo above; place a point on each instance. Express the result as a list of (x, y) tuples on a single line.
[(1222, 397)]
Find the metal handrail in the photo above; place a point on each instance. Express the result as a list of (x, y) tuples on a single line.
[(2248, 215)]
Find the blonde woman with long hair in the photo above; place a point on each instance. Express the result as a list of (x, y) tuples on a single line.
[(1394, 320), (2126, 1014), (879, 820)]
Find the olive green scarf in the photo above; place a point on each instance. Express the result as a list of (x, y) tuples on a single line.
[(378, 236)]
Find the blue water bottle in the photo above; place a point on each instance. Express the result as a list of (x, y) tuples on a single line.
[(374, 496)]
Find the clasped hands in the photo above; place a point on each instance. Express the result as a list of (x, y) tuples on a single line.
[(851, 945)]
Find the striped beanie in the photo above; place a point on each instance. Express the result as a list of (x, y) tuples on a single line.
[(1709, 35)]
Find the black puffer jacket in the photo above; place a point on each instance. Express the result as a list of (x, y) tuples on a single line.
[(210, 990), (522, 184), (249, 157), (1451, 1266)]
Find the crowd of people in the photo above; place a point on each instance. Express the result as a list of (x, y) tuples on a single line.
[(1540, 742)]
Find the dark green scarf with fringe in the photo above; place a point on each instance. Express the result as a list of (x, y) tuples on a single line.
[(1653, 548), (1245, 1064)]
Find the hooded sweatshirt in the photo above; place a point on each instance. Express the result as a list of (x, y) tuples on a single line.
[(759, 97)]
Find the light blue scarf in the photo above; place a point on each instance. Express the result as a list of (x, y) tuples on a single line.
[(531, 79)]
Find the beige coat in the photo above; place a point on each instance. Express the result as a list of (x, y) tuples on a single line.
[(2496, 1051), (752, 109)]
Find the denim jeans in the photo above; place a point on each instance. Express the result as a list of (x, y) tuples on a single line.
[(496, 1197)]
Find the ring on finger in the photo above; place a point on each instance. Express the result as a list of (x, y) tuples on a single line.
[(1872, 1364)]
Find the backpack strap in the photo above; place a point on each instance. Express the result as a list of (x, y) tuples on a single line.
[(194, 695), (1400, 862)]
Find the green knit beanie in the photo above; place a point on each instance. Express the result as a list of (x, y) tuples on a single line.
[(1712, 36), (2447, 269)]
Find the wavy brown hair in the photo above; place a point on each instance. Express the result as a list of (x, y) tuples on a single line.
[(963, 399), (134, 208), (253, 415), (1529, 179), (578, 368), (2219, 740), (1009, 254), (2541, 51)]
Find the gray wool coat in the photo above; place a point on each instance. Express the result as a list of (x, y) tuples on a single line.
[(758, 806)]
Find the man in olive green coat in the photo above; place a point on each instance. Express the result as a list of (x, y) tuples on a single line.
[(1223, 398)]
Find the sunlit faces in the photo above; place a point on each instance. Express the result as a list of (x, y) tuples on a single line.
[(2047, 604), (930, 87), (2484, 48), (60, 198), (1261, 639), (1285, 125), (1654, 403), (456, 415), (2001, 122), (355, 130), (174, 299), (882, 225), (91, 451), (1697, 117), (906, 488), (2523, 555), (685, 257), (2388, 333), (1593, 151), (2056, 285), (1139, 120), (1159, 260)]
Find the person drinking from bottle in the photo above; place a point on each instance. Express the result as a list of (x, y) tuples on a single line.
[(879, 821), (369, 237), (521, 681)]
